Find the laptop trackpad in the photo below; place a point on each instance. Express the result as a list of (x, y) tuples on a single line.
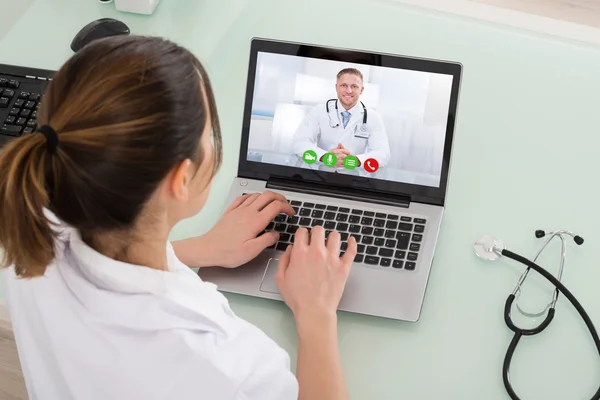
[(268, 282)]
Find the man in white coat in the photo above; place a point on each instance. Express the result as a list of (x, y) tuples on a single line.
[(338, 126)]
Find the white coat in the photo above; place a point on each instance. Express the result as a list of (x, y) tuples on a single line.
[(316, 133), (95, 328)]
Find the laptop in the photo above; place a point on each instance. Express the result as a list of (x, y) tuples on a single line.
[(389, 193), (21, 89)]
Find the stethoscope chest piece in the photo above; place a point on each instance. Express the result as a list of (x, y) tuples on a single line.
[(488, 248)]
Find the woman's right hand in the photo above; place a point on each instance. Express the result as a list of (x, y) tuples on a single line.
[(312, 276)]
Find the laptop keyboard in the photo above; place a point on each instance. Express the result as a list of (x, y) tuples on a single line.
[(384, 240), (23, 107)]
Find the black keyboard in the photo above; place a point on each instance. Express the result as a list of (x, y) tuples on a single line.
[(384, 240), (21, 90)]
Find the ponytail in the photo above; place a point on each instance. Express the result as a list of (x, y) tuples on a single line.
[(25, 232)]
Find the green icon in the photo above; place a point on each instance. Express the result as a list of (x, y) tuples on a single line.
[(330, 159), (309, 157), (350, 162)]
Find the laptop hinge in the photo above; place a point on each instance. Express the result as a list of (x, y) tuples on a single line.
[(340, 193)]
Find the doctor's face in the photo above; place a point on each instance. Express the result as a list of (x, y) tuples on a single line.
[(349, 87)]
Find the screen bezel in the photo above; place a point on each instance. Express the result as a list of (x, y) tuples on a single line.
[(265, 171)]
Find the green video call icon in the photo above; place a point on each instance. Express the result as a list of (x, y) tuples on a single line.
[(330, 159), (350, 162), (309, 157)]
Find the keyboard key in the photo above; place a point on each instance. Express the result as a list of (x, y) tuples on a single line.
[(367, 240), (386, 252), (359, 258), (415, 247), (385, 262), (405, 219), (281, 246), (393, 217), (8, 93), (11, 130), (280, 218), (371, 250), (354, 219), (371, 260), (342, 226), (293, 220), (296, 209), (390, 234), (309, 205), (344, 236), (412, 256), (317, 222), (379, 223), (329, 215), (398, 264), (304, 212), (400, 254), (279, 227), (390, 243), (320, 206), (360, 248), (379, 242), (420, 221), (344, 246), (419, 228), (33, 97), (329, 225), (25, 113), (342, 217), (357, 212), (13, 83), (354, 228), (10, 120), (28, 129), (369, 214), (21, 121), (332, 208), (31, 123), (410, 266), (4, 102), (292, 228), (30, 104), (14, 111), (344, 210), (24, 95), (416, 237), (3, 82), (391, 225), (284, 237), (317, 214), (366, 230), (366, 221), (405, 227), (403, 239), (296, 203), (357, 237), (380, 215), (305, 221), (378, 232), (270, 226)]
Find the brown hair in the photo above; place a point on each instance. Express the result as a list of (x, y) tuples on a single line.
[(352, 71), (127, 109)]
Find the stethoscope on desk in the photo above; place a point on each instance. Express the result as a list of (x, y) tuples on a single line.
[(334, 110), (489, 248)]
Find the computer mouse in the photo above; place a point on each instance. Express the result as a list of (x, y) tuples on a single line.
[(98, 29)]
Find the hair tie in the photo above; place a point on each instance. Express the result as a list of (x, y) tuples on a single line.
[(51, 137)]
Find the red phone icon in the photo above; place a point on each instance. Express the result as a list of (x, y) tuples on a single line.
[(371, 165)]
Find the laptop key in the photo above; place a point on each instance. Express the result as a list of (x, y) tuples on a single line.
[(296, 203), (379, 242), (416, 237), (344, 236), (367, 240), (405, 227), (293, 220), (390, 234), (403, 239), (329, 215), (344, 210), (317, 222), (398, 264), (400, 254), (270, 226), (385, 262), (359, 258), (296, 209), (369, 214), (329, 225), (357, 212), (371, 260), (305, 221), (386, 252), (366, 221), (366, 230), (280, 218), (371, 250), (378, 232), (309, 205), (420, 221), (393, 217), (405, 219), (320, 206), (380, 215), (391, 225), (317, 214), (281, 246), (390, 243), (292, 228), (419, 228), (410, 266), (304, 212), (332, 208), (341, 226), (415, 247), (354, 228), (284, 237), (354, 219), (357, 237), (360, 248), (412, 256), (12, 130), (342, 217), (279, 227), (379, 223)]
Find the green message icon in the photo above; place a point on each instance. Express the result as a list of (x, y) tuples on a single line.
[(330, 159), (350, 162), (309, 157)]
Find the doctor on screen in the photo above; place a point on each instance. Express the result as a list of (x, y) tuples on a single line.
[(344, 126)]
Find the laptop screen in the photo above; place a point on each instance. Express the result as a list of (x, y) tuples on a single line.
[(349, 116)]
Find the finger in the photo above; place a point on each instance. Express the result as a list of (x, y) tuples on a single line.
[(258, 244), (301, 237), (237, 202), (350, 254), (339, 146), (317, 236), (333, 243), (266, 198), (273, 209), (284, 262), (249, 200)]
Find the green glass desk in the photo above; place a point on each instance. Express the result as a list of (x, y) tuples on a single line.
[(525, 157)]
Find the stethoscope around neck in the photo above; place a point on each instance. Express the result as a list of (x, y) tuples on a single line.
[(335, 110)]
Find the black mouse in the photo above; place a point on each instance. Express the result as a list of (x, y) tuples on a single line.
[(98, 29)]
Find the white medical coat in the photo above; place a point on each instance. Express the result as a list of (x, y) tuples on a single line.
[(315, 133), (95, 328)]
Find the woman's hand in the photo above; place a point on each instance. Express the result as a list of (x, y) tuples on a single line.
[(312, 276), (233, 240)]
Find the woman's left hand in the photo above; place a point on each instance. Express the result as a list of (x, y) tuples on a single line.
[(233, 241)]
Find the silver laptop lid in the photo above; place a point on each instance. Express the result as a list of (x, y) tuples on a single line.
[(349, 123)]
